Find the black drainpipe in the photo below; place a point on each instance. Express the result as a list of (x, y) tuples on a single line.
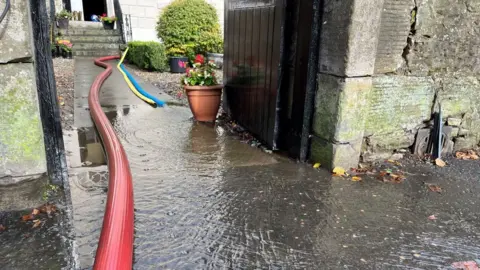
[(311, 87), (47, 95)]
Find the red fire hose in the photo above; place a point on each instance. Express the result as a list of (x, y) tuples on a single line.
[(115, 248)]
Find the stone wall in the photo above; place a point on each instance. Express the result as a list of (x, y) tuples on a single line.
[(22, 151), (440, 62), (145, 14), (424, 52)]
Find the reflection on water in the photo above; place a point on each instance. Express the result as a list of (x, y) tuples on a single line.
[(206, 201)]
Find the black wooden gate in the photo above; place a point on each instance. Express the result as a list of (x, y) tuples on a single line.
[(265, 66)]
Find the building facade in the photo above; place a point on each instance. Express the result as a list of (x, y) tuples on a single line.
[(143, 13)]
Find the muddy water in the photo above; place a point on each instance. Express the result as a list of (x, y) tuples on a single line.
[(203, 200)]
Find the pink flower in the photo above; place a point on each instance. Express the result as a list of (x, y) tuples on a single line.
[(181, 64)]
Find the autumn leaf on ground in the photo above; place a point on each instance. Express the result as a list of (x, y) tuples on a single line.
[(339, 171), (440, 163), (35, 212), (356, 178), (394, 162), (434, 188), (27, 217), (465, 155), (48, 208), (316, 165), (36, 223), (397, 178)]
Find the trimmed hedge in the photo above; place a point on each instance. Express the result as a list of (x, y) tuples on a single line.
[(188, 27), (149, 55)]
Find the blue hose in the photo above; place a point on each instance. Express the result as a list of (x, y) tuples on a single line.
[(159, 102)]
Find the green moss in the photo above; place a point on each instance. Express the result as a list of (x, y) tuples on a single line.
[(21, 134)]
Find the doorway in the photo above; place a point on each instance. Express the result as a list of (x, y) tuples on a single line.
[(93, 7)]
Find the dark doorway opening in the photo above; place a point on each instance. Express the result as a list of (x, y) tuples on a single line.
[(93, 7)]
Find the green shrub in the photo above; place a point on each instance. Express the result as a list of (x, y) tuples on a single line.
[(149, 55), (188, 27)]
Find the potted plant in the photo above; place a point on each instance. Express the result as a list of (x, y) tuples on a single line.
[(62, 19), (211, 44), (202, 89), (65, 48), (182, 26), (108, 22)]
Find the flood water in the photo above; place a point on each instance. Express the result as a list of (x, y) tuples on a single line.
[(204, 200)]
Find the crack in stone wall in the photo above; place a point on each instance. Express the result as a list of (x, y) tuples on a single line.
[(441, 50)]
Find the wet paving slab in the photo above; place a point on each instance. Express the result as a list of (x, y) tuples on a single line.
[(204, 200)]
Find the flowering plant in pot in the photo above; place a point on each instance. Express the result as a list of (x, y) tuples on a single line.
[(202, 88), (108, 22), (62, 19), (66, 48)]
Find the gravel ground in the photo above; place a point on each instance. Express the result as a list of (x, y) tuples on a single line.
[(166, 81), (64, 77)]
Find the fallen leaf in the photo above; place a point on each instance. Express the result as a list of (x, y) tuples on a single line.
[(339, 171), (470, 154), (48, 208), (440, 163), (2, 228), (27, 217), (36, 223), (432, 217), (434, 188), (416, 255), (35, 211), (356, 178), (316, 165)]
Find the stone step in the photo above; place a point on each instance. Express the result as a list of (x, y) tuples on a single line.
[(95, 53), (96, 46), (85, 25), (89, 32), (94, 39)]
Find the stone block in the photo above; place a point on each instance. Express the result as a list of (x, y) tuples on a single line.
[(349, 37), (462, 132), (458, 95), (22, 150), (15, 34), (137, 11), (455, 132), (332, 155), (341, 108), (455, 122), (447, 38), (394, 31), (398, 106), (462, 143)]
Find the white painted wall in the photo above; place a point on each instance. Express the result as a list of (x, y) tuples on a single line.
[(145, 14)]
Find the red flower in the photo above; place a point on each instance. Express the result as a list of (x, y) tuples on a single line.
[(104, 15), (181, 64), (199, 59)]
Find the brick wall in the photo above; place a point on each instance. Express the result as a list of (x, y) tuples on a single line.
[(145, 13)]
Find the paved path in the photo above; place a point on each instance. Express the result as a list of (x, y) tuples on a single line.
[(204, 200)]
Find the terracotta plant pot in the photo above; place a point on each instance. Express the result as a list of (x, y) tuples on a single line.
[(204, 101)]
